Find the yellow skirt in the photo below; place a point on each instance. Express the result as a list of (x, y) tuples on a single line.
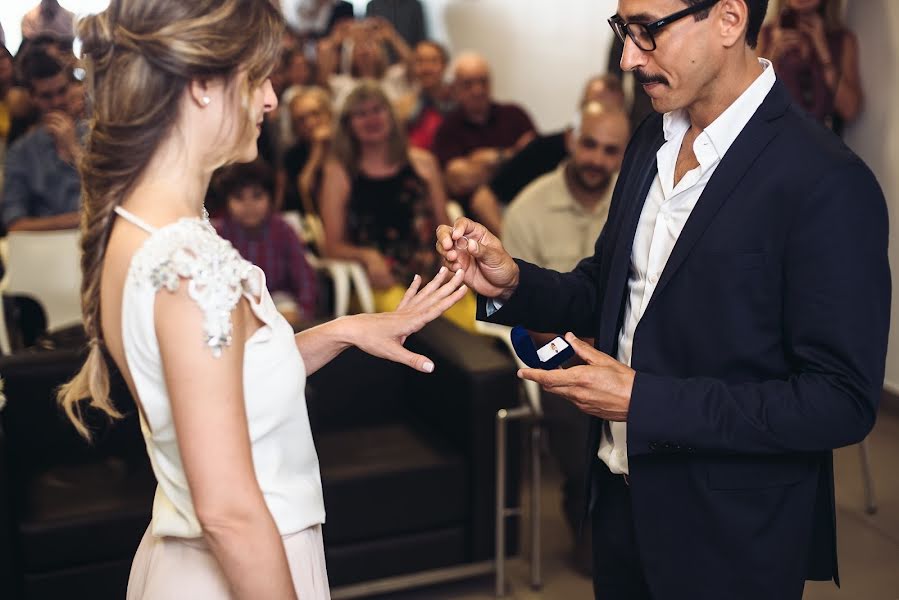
[(462, 313)]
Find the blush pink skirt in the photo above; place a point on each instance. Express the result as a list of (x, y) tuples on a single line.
[(166, 568)]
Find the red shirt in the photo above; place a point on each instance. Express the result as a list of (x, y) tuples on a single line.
[(457, 136)]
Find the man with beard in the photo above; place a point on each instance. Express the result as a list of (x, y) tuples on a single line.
[(554, 223)]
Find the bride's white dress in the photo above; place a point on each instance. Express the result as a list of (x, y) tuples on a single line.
[(173, 560)]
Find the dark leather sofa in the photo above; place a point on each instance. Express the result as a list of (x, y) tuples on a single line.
[(407, 464)]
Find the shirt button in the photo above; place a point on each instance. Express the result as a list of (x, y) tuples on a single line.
[(654, 278)]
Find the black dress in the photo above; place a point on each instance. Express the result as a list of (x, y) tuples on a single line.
[(394, 215)]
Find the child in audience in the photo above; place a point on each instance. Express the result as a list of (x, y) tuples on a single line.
[(265, 239)]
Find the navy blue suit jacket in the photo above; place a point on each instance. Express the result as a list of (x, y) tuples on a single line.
[(761, 350)]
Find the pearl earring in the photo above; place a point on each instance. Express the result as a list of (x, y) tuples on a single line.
[(206, 100)]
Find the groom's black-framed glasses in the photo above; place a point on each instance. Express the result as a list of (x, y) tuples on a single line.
[(643, 34)]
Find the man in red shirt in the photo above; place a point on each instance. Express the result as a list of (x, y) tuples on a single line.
[(479, 134)]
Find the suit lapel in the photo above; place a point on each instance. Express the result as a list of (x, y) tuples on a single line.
[(635, 193), (738, 160)]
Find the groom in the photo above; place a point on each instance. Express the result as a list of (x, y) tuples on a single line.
[(740, 298)]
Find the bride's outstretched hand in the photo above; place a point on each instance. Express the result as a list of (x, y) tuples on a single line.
[(384, 334)]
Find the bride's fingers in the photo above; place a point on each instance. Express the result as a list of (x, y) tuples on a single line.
[(442, 275), (440, 306), (410, 291), (450, 286), (398, 353)]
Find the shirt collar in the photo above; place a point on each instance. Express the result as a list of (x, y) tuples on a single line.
[(724, 130)]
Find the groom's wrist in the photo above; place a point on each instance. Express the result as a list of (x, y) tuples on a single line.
[(510, 289)]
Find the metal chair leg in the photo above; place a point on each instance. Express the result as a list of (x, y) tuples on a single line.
[(500, 540), (503, 416), (867, 480), (536, 473)]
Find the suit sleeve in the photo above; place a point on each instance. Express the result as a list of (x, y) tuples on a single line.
[(547, 300), (836, 311)]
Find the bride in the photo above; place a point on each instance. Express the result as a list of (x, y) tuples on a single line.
[(178, 89)]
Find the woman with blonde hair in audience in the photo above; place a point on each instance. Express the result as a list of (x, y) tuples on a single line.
[(301, 167), (816, 57), (177, 90), (381, 200)]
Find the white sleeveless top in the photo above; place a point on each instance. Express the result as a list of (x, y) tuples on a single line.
[(274, 375)]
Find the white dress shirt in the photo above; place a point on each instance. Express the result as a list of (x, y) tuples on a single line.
[(665, 212)]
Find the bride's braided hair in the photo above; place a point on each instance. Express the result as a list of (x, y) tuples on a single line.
[(140, 56)]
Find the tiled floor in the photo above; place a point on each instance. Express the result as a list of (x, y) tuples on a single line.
[(868, 545)]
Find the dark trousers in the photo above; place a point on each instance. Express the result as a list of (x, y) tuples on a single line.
[(617, 568), (567, 429)]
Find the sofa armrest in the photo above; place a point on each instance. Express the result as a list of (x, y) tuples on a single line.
[(8, 581), (472, 380)]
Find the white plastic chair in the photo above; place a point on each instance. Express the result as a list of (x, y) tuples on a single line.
[(44, 265), (345, 275)]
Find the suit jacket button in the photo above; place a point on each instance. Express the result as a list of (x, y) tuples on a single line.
[(653, 446)]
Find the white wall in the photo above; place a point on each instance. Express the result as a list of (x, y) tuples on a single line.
[(875, 137)]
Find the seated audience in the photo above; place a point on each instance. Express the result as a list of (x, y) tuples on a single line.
[(317, 18), (817, 59), (299, 177), (423, 110), (48, 18), (295, 73), (382, 200), (367, 42), (41, 186), (265, 239), (540, 156), (406, 16), (480, 134), (554, 223)]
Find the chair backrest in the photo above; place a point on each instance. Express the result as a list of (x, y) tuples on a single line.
[(346, 275), (46, 265)]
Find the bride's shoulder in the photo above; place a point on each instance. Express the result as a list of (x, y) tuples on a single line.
[(217, 276), (189, 249)]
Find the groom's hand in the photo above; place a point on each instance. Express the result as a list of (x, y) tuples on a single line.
[(489, 269), (602, 387)]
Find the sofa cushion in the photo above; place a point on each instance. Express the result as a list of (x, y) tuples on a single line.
[(396, 555), (74, 515), (101, 581), (389, 480)]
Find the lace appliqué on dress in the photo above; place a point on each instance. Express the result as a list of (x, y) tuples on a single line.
[(217, 275)]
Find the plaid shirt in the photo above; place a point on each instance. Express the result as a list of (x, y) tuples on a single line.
[(276, 249)]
